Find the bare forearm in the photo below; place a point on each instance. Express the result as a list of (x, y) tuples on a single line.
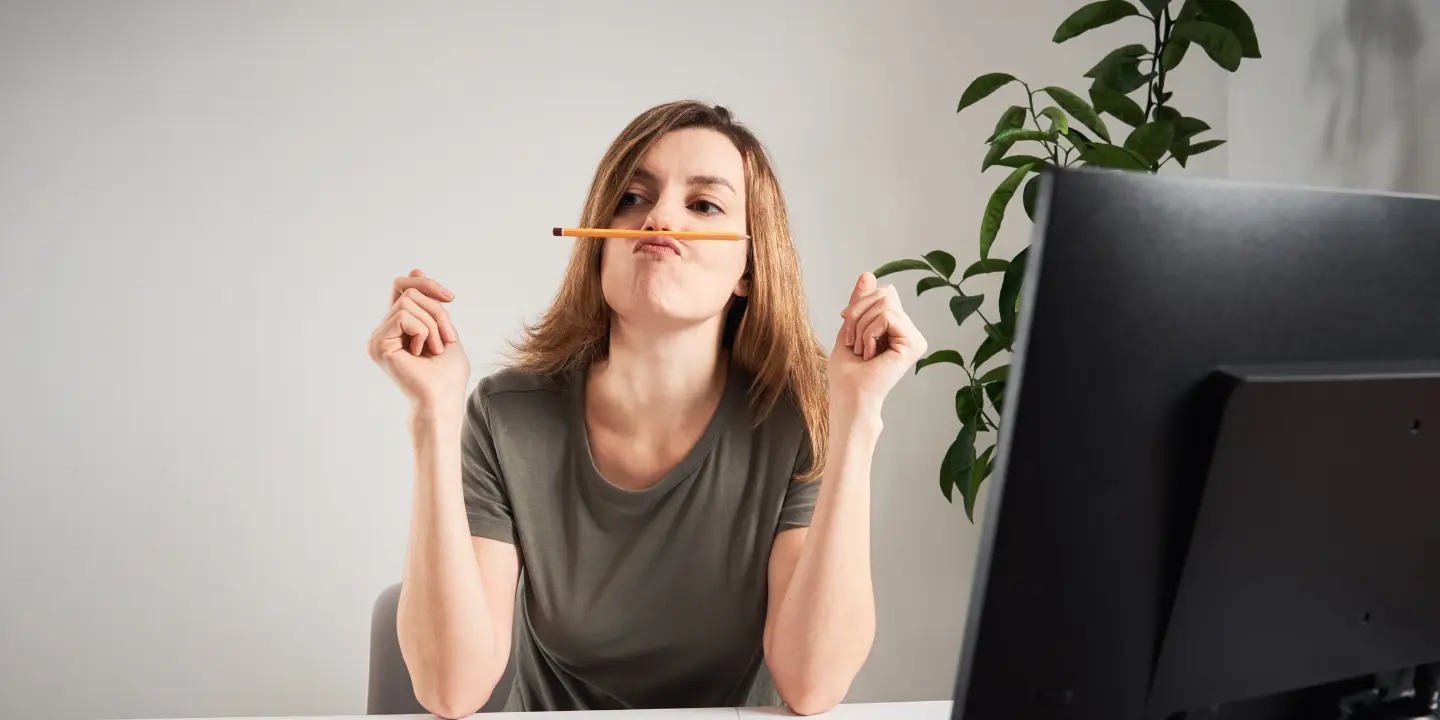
[(445, 626), (826, 620)]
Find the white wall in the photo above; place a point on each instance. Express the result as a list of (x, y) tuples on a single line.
[(1346, 96), (204, 481)]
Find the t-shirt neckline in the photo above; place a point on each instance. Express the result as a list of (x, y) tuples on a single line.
[(729, 401)]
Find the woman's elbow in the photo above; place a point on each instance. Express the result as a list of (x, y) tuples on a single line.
[(454, 693), (450, 704), (812, 701)]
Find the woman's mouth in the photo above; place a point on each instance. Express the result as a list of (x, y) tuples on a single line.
[(658, 246)]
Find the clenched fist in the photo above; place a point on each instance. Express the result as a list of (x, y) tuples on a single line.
[(417, 345)]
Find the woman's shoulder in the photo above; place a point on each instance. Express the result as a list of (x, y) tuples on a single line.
[(781, 417), (511, 391), (507, 380)]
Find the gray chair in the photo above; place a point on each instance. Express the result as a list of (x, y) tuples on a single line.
[(391, 692)]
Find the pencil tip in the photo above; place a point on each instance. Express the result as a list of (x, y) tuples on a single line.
[(556, 232)]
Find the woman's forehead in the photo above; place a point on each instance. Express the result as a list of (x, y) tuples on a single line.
[(694, 156)]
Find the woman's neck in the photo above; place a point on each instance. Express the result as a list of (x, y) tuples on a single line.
[(651, 381)]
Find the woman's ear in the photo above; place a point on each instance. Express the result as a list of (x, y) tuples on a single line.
[(742, 288)]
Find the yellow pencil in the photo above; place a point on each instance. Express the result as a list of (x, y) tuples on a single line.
[(678, 235)]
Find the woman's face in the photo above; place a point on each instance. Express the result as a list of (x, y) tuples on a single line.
[(692, 179)]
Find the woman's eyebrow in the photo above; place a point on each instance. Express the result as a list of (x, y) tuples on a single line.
[(645, 176), (710, 180)]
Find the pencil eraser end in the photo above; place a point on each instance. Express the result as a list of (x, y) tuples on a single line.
[(555, 232)]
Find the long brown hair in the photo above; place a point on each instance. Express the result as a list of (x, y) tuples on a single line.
[(768, 333)]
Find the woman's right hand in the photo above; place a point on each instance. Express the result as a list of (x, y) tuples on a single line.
[(417, 345)]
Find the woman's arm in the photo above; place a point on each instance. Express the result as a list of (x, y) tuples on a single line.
[(457, 602), (821, 619)]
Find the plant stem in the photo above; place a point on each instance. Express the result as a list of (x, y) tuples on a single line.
[(1030, 100), (1155, 67), (1157, 64)]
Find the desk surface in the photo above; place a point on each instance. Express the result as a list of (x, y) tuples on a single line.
[(939, 710)]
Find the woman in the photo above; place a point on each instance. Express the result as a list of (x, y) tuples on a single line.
[(649, 459)]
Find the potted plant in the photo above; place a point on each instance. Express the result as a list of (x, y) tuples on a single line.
[(1044, 129)]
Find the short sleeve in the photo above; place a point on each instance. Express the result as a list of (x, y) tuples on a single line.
[(800, 495), (487, 504)]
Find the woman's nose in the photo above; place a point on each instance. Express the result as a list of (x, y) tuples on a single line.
[(662, 214)]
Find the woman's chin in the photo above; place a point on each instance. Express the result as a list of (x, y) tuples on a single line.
[(661, 311)]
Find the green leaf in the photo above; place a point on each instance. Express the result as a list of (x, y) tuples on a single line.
[(982, 87), (1094, 15), (963, 306), (1112, 156), (1010, 288), (1119, 70), (1015, 161), (1155, 6), (940, 356), (985, 267), (1190, 127), (1127, 55), (1173, 53), (955, 468), (1015, 135), (995, 208), (943, 262), (1013, 117), (1206, 146), (1180, 150), (979, 470), (1131, 83), (1079, 109), (1006, 139), (1151, 140), (1077, 138), (1059, 123), (1219, 43), (996, 392), (1119, 105), (891, 268), (1029, 195), (996, 375), (1232, 17), (994, 155), (988, 349), (930, 283), (1167, 113), (966, 405)]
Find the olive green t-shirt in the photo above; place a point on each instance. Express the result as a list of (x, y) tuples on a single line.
[(633, 599)]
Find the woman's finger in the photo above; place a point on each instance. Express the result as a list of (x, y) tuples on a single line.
[(436, 310), (872, 326), (862, 305), (414, 328), (428, 286), (437, 346), (399, 329)]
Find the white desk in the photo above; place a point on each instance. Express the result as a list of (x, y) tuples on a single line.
[(939, 710)]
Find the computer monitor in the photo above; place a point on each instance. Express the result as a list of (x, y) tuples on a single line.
[(1217, 491)]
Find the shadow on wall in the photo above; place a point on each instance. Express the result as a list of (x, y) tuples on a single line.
[(1375, 67)]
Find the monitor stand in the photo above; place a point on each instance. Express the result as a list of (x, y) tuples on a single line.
[(1411, 694)]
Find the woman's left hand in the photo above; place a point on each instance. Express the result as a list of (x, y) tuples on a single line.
[(876, 346)]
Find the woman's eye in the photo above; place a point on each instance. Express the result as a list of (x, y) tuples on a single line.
[(630, 199), (705, 207)]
